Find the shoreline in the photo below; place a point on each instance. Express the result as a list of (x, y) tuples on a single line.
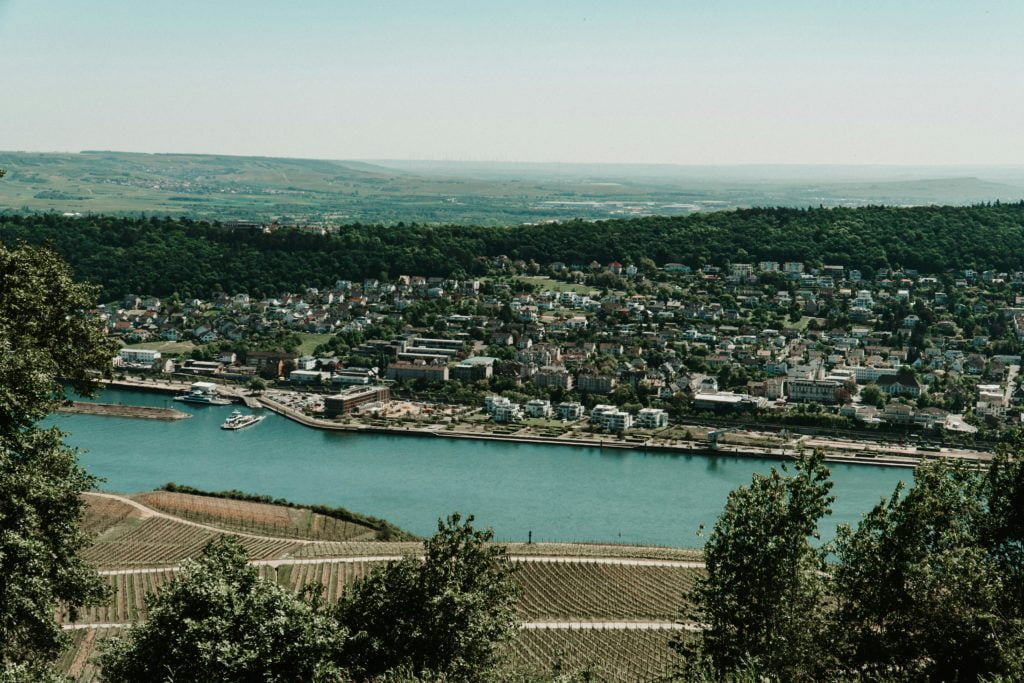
[(677, 449), (877, 459)]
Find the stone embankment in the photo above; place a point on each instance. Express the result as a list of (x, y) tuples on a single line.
[(119, 410)]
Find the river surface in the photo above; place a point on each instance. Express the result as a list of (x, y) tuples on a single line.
[(557, 492)]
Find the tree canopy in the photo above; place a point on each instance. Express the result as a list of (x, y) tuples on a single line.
[(44, 339), (928, 586), (161, 256), (218, 620), (443, 616)]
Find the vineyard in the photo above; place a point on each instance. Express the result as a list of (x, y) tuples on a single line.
[(103, 514), (77, 661), (563, 582), (264, 519), (564, 591), (611, 655), (161, 541)]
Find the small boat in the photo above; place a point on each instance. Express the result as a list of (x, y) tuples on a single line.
[(205, 393), (239, 421)]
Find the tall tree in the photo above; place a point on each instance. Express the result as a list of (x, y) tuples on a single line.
[(45, 338), (218, 620), (761, 601), (443, 616), (925, 587)]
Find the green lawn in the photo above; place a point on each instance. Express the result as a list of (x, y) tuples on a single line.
[(167, 347), (311, 340), (554, 285)]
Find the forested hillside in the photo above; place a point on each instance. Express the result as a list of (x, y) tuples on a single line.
[(162, 256)]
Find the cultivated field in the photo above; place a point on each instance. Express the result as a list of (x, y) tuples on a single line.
[(590, 587), (256, 518), (611, 655), (601, 592)]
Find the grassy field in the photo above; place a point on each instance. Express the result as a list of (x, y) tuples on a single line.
[(166, 347), (546, 283), (311, 340)]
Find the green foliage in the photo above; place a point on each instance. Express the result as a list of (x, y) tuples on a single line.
[(762, 595), (161, 256), (917, 592), (443, 616), (219, 621), (43, 337), (928, 586)]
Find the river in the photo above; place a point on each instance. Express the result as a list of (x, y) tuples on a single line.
[(560, 493)]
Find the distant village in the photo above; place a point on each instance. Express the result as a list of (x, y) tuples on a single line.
[(625, 346)]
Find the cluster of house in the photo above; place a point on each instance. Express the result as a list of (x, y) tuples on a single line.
[(794, 334), (609, 417)]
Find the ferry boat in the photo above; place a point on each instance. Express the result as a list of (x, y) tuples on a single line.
[(203, 392), (239, 421)]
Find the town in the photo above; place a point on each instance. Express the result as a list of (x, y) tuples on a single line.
[(622, 348)]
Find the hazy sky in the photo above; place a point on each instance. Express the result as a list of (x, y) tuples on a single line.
[(679, 81)]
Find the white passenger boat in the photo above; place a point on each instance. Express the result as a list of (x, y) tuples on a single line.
[(204, 393), (239, 421)]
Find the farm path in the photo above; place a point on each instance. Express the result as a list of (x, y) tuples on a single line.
[(526, 625), (152, 512), (540, 559)]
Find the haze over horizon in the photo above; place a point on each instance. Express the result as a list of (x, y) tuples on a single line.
[(742, 83)]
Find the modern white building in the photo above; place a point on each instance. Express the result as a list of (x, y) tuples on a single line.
[(652, 418), (139, 357), (503, 409), (570, 410), (538, 408), (611, 418)]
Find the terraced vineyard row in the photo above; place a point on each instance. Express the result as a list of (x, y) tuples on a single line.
[(334, 576), (128, 598), (102, 514), (161, 541), (601, 591), (256, 518), (77, 662), (612, 655)]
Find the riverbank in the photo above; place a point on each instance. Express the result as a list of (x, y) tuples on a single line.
[(836, 450), (121, 410), (876, 458)]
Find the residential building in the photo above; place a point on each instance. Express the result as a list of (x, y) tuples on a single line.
[(652, 418), (570, 410), (611, 418), (538, 408), (139, 357), (432, 372)]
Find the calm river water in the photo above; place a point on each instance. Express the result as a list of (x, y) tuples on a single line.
[(558, 492)]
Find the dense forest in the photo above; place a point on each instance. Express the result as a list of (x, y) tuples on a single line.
[(162, 255)]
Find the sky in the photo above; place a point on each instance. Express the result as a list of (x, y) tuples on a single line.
[(645, 81)]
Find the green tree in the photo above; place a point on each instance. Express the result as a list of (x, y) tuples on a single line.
[(871, 395), (45, 337), (762, 598), (257, 385), (218, 620), (442, 616), (919, 595)]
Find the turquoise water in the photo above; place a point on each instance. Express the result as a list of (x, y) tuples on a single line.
[(558, 492)]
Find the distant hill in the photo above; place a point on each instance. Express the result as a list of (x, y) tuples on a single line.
[(306, 191)]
